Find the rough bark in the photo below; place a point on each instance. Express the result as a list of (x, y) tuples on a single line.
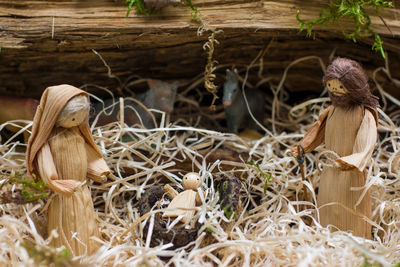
[(50, 42)]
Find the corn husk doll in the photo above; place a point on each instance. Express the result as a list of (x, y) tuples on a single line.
[(182, 203), (349, 128), (61, 151)]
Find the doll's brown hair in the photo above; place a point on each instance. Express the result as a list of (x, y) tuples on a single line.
[(353, 77)]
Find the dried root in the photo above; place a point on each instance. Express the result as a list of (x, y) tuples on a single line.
[(209, 75)]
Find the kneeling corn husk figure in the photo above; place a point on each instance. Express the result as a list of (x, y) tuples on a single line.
[(61, 151), (349, 128)]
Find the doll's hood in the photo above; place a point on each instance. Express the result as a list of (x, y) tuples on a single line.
[(51, 104)]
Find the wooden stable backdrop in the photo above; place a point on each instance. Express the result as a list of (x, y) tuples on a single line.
[(50, 42)]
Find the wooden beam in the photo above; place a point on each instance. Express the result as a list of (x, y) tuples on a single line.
[(50, 42)]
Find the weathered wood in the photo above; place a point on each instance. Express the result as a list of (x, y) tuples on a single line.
[(50, 42)]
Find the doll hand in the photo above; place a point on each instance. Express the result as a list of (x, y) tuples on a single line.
[(171, 193), (343, 166), (103, 178), (64, 187), (298, 152), (294, 152)]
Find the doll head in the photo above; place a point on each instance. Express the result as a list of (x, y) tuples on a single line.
[(56, 105), (74, 113), (348, 85), (191, 180)]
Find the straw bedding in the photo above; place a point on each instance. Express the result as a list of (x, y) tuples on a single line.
[(273, 225)]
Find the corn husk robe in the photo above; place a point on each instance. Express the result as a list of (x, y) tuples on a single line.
[(181, 205), (351, 133), (64, 159)]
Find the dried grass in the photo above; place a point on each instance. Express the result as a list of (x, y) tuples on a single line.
[(275, 228)]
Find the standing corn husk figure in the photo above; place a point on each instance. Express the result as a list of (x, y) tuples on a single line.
[(61, 150), (182, 203), (349, 128)]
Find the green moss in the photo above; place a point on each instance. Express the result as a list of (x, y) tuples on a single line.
[(48, 256), (225, 192), (228, 211), (357, 11), (31, 191), (209, 230), (267, 176), (195, 12), (366, 263), (142, 10), (225, 186)]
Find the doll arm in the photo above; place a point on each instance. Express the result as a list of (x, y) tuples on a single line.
[(97, 167), (172, 193), (198, 199), (48, 173), (315, 135), (363, 146)]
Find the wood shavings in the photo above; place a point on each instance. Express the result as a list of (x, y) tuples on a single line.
[(275, 228)]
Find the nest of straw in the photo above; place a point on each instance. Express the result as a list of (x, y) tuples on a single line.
[(274, 225)]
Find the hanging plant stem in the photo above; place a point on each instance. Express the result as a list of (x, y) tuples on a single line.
[(357, 11)]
